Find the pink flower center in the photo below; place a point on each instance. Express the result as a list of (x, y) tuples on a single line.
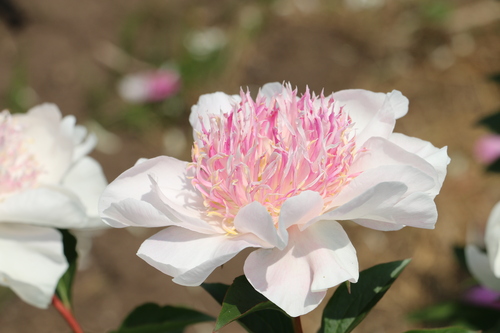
[(18, 168), (271, 150)]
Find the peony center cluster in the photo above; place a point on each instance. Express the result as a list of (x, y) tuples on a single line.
[(19, 169), (270, 149)]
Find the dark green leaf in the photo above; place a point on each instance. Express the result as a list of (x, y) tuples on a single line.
[(494, 167), (455, 313), (65, 284), (152, 318), (443, 330), (495, 78), (492, 122), (345, 310), (459, 252), (249, 307)]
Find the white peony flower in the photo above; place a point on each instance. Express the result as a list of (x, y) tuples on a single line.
[(277, 174), (46, 182)]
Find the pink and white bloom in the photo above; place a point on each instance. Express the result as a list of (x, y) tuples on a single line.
[(46, 182), (485, 267), (277, 174), (150, 86)]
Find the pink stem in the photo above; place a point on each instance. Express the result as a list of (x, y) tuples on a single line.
[(66, 314)]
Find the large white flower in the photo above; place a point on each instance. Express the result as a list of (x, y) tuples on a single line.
[(485, 267), (46, 182), (277, 173)]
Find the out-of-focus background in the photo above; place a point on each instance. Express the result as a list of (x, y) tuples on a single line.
[(77, 54)]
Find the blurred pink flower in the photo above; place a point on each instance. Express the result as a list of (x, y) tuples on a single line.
[(487, 148), (47, 181), (481, 296), (149, 86), (277, 173)]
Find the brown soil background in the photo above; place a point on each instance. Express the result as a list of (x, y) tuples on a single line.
[(328, 46)]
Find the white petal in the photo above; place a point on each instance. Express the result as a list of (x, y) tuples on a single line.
[(87, 181), (299, 209), (55, 207), (479, 267), (437, 157), (132, 200), (216, 103), (373, 114), (382, 152), (31, 262), (271, 89), (492, 239), (189, 257), (297, 277), (414, 179), (255, 219)]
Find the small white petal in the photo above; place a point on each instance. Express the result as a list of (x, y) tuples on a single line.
[(255, 219), (31, 262)]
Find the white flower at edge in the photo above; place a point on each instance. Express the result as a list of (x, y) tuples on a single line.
[(277, 174), (47, 181), (485, 267)]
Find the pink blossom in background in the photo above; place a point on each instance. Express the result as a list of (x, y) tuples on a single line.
[(277, 173), (151, 86), (487, 148), (47, 182), (483, 297)]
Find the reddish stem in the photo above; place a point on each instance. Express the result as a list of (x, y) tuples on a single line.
[(297, 325), (66, 314)]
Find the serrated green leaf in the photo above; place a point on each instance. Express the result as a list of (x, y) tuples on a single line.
[(65, 284), (152, 318), (443, 330), (251, 309), (345, 310)]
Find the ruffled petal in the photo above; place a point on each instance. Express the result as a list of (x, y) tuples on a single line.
[(271, 89), (373, 114), (297, 277), (31, 262), (189, 257), (437, 157), (87, 180), (479, 267), (132, 199), (54, 207), (492, 239)]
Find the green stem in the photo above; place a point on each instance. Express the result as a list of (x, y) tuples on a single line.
[(297, 325)]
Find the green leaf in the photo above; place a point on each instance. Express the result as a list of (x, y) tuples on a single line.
[(152, 318), (249, 307), (455, 313), (494, 167), (443, 330), (492, 122), (64, 286), (345, 310)]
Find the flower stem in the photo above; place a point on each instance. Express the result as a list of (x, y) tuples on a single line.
[(297, 325), (66, 314)]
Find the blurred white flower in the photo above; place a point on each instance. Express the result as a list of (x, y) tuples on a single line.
[(202, 43), (151, 86), (485, 266), (46, 182)]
